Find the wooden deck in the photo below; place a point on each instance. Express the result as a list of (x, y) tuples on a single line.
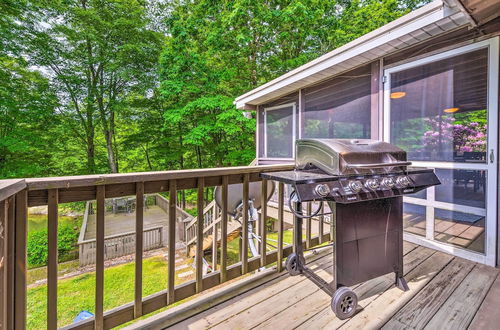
[(462, 234), (445, 293), (118, 223)]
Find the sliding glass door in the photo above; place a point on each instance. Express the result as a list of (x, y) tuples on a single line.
[(443, 111)]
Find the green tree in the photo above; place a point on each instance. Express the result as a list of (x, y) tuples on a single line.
[(27, 103), (219, 49), (98, 53)]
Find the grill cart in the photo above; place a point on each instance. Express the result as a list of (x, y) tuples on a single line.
[(363, 182)]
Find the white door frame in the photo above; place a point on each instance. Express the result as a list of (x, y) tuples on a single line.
[(490, 166), (294, 129)]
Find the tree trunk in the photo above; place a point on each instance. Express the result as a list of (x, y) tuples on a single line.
[(111, 153), (90, 154)]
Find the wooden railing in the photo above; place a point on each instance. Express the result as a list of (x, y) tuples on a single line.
[(211, 217), (17, 195)]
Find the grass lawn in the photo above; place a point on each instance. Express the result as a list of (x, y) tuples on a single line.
[(233, 246), (78, 293), (38, 222), (40, 273)]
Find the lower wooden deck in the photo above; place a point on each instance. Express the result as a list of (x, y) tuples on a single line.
[(445, 293)]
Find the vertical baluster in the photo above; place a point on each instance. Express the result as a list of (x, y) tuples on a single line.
[(214, 237), (20, 256), (244, 225), (53, 200), (308, 225), (99, 268), (3, 252), (223, 231), (320, 223), (171, 241), (199, 236), (9, 262), (139, 246), (263, 220), (281, 201)]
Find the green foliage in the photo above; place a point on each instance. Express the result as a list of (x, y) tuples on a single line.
[(77, 293), (92, 86), (38, 249), (217, 50)]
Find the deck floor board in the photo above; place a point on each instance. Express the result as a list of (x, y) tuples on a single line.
[(445, 292)]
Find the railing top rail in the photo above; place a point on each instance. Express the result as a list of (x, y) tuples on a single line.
[(11, 187), (94, 180)]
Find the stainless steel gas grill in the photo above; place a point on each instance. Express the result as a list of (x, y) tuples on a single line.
[(363, 182)]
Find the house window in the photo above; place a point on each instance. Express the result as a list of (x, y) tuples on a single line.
[(279, 131), (439, 110), (340, 107)]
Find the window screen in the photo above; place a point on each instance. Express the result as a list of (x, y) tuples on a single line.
[(279, 131), (340, 107), (438, 110)]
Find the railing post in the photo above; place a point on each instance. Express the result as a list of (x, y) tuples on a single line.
[(3, 286), (199, 236), (171, 240), (263, 228), (99, 269), (21, 232), (223, 231), (9, 262), (281, 201), (53, 201), (139, 246), (244, 226)]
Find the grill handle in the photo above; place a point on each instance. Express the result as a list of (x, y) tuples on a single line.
[(377, 165)]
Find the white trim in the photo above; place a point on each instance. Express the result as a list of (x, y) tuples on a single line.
[(429, 212), (257, 133), (440, 56), (287, 159), (447, 248), (381, 100), (299, 112), (451, 165), (491, 210), (294, 128), (380, 38), (491, 195)]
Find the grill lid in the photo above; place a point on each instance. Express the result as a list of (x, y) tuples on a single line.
[(349, 156)]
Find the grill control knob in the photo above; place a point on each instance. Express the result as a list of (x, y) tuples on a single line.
[(322, 190), (403, 181), (388, 182), (355, 186), (372, 184)]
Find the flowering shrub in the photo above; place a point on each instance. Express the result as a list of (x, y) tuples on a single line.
[(465, 137)]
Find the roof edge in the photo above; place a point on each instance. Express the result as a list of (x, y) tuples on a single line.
[(415, 15)]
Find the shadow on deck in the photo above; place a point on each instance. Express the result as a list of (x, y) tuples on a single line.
[(445, 292)]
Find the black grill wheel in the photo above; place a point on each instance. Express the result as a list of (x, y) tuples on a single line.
[(292, 265), (344, 303)]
